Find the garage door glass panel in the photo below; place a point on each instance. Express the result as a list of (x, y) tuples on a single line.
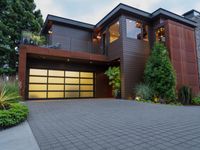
[(86, 75), (56, 87), (86, 94), (55, 94), (86, 81), (72, 94), (37, 95), (40, 72), (86, 87), (71, 81), (60, 84), (71, 74), (38, 79), (37, 87), (71, 87), (55, 80), (56, 73)]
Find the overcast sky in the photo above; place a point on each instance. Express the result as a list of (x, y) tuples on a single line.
[(91, 11)]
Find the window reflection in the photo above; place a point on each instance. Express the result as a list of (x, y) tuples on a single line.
[(145, 33), (160, 35), (133, 29), (114, 32)]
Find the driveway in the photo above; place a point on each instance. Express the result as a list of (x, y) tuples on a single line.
[(113, 125)]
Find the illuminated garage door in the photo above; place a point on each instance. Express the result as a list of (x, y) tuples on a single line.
[(47, 84)]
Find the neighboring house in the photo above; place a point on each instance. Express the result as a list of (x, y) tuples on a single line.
[(82, 52)]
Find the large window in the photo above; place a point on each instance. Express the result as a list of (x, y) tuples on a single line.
[(133, 29), (160, 34), (45, 83), (114, 32), (145, 33)]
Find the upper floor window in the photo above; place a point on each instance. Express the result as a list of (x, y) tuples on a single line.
[(114, 32), (160, 34), (133, 29), (145, 33)]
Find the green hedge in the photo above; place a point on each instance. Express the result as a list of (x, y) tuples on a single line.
[(13, 116)]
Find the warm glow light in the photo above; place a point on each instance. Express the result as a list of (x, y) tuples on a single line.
[(50, 32), (98, 37)]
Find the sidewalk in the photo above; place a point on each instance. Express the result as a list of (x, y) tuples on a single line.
[(18, 138)]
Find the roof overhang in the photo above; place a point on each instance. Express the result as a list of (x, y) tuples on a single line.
[(59, 20), (118, 10)]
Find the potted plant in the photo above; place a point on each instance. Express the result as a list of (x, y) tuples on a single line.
[(113, 74)]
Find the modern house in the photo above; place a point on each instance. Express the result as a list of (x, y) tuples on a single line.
[(78, 54)]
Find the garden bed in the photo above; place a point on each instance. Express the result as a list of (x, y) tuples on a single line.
[(14, 115)]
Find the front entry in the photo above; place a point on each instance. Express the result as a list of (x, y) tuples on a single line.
[(52, 84)]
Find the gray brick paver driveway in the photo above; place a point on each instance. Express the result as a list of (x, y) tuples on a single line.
[(114, 125)]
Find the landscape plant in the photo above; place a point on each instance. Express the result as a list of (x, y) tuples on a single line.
[(196, 100), (13, 116), (143, 92), (160, 75), (113, 74), (185, 95), (9, 93), (11, 111)]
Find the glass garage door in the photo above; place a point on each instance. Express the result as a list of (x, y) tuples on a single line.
[(47, 84)]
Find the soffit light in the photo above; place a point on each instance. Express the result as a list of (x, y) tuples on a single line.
[(98, 37)]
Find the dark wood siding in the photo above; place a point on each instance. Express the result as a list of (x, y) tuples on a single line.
[(115, 49), (182, 47), (103, 89), (71, 38), (133, 59)]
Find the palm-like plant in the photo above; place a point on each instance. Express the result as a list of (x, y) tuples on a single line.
[(7, 97)]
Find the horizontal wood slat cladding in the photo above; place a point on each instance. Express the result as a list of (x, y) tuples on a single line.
[(114, 49), (182, 48), (71, 38), (133, 60), (103, 89)]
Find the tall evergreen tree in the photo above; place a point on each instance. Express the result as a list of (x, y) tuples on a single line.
[(159, 73), (15, 17)]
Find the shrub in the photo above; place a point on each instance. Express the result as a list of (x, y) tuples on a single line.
[(9, 93), (196, 100), (143, 91), (159, 73), (113, 74), (185, 95), (15, 115)]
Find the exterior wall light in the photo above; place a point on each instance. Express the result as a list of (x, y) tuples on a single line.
[(98, 37), (50, 32)]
